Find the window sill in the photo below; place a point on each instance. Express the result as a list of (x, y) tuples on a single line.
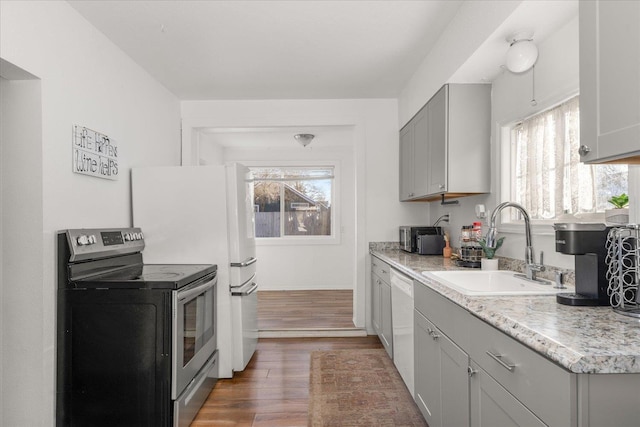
[(541, 227), (297, 241)]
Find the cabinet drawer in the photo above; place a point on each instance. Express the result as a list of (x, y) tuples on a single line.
[(448, 316), (381, 269), (545, 388)]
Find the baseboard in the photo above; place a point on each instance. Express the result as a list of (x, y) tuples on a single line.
[(313, 332)]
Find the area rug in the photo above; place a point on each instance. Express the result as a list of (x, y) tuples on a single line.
[(359, 388)]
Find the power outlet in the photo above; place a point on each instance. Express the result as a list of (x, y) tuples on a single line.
[(450, 216)]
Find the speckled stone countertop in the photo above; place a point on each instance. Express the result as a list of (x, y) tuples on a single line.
[(593, 340)]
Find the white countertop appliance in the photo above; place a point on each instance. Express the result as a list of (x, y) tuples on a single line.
[(204, 214), (136, 342)]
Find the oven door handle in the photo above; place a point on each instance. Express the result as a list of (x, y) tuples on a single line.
[(247, 262), (190, 293), (252, 289)]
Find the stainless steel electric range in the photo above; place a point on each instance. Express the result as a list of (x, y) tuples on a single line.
[(136, 342)]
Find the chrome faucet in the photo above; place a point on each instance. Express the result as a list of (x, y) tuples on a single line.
[(531, 267)]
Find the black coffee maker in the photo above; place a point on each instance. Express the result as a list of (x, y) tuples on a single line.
[(588, 243)]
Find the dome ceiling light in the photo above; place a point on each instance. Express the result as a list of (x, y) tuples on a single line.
[(304, 138), (522, 53)]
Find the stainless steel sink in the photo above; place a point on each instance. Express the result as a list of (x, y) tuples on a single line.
[(500, 282)]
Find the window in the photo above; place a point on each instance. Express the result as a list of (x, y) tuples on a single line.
[(293, 201), (547, 177)]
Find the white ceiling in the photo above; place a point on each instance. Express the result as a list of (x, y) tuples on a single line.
[(274, 49), (299, 49)]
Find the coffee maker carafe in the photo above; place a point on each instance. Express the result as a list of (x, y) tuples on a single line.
[(587, 242)]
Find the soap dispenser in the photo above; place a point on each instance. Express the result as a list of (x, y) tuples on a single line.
[(446, 251)]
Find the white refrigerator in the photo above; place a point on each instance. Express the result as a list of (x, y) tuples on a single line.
[(204, 215)]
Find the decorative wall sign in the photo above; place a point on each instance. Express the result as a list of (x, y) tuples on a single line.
[(94, 154)]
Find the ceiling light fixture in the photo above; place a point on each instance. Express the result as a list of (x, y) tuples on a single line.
[(522, 53), (304, 138)]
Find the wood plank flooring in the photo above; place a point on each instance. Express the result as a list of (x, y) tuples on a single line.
[(309, 309), (273, 390)]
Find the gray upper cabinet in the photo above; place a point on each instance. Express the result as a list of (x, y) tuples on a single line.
[(445, 147), (610, 81), (413, 148)]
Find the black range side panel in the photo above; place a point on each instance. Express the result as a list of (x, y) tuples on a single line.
[(113, 358)]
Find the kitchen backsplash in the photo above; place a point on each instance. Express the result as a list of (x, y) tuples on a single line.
[(504, 263)]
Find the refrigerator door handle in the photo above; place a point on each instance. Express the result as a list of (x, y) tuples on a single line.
[(251, 290), (244, 285), (247, 262)]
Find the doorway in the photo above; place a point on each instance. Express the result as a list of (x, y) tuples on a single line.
[(291, 272)]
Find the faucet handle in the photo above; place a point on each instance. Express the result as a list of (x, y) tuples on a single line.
[(538, 267)]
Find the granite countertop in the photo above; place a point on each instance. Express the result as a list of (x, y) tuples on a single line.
[(594, 340)]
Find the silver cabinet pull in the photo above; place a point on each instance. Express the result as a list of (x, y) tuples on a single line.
[(433, 334), (498, 358), (471, 371)]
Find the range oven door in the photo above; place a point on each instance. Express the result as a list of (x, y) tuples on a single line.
[(194, 331)]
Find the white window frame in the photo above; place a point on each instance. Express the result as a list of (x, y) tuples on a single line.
[(506, 164), (334, 238)]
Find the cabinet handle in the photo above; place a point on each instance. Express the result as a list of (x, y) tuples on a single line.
[(584, 150), (498, 358), (471, 371), (441, 186), (433, 334)]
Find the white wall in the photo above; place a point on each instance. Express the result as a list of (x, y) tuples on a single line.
[(310, 266), (472, 25), (375, 149), (85, 80), (20, 226)]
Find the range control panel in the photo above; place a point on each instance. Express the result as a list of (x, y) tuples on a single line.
[(90, 243)]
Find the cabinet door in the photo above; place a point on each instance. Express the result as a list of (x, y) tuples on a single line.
[(437, 135), (427, 370), (609, 83), (492, 405), (406, 162), (454, 364), (421, 154), (375, 302), (386, 335)]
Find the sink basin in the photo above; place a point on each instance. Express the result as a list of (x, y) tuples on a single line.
[(500, 282)]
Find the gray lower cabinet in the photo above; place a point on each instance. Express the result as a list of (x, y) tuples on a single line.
[(381, 303), (468, 373), (492, 405), (441, 379)]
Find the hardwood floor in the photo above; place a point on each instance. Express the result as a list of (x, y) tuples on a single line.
[(290, 310), (273, 390)]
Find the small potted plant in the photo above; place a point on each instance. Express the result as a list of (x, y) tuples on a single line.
[(488, 262), (620, 212)]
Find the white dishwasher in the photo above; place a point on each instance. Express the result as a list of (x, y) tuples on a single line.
[(402, 321)]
